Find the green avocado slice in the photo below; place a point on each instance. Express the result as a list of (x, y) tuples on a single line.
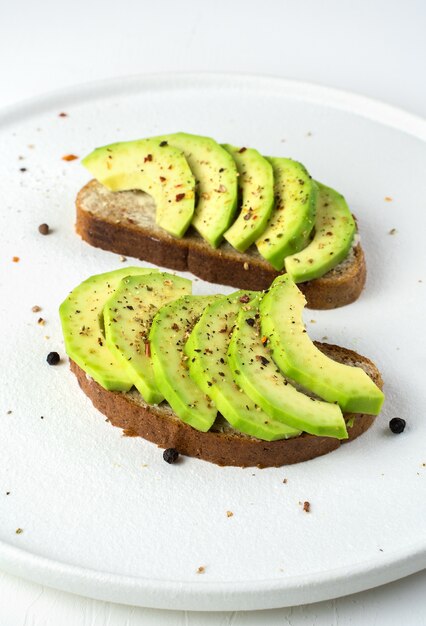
[(82, 325), (334, 233), (256, 186), (127, 318), (298, 357), (154, 167), (169, 331), (256, 373), (293, 216), (216, 183), (206, 349)]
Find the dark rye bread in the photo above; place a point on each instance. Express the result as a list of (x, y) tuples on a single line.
[(124, 222), (222, 444)]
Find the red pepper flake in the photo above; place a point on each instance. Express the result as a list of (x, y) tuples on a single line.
[(16, 259), (63, 114), (148, 158), (241, 150), (264, 340), (147, 349), (179, 197), (69, 157)]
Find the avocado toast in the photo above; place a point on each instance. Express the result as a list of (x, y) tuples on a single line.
[(228, 215), (208, 372)]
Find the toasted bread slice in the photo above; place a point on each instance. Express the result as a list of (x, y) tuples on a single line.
[(124, 222), (222, 444)]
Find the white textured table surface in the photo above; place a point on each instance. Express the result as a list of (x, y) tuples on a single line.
[(372, 47)]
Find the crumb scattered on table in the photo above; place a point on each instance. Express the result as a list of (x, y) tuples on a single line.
[(63, 114), (9, 412), (69, 157), (313, 321), (201, 569), (392, 231), (16, 259), (19, 531), (36, 308), (41, 321), (123, 259), (388, 199), (285, 481), (307, 506), (229, 514)]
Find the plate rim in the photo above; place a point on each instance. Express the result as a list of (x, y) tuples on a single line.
[(217, 596), (346, 100), (247, 595)]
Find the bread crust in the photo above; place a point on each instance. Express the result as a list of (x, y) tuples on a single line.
[(108, 230), (222, 447)]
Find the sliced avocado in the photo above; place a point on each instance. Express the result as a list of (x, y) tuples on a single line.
[(127, 318), (257, 374), (334, 233), (256, 186), (297, 357), (83, 329), (151, 166), (206, 348), (169, 331), (216, 183), (293, 216)]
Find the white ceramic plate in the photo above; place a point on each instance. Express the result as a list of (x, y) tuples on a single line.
[(103, 515)]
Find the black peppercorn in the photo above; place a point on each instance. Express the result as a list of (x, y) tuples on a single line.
[(53, 358), (170, 455), (397, 425), (43, 229), (250, 321)]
